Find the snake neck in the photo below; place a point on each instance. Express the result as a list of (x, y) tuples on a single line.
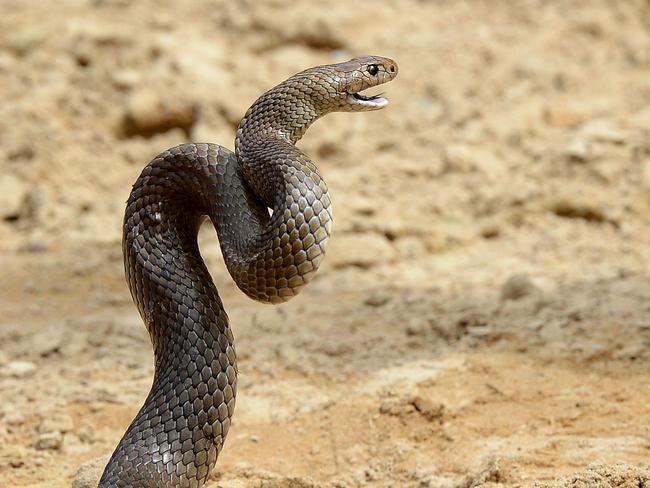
[(285, 112)]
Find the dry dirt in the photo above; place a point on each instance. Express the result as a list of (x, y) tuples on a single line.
[(483, 315)]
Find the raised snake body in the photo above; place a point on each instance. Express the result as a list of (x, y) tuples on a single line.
[(177, 435)]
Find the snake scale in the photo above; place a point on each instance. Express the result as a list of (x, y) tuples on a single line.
[(178, 433)]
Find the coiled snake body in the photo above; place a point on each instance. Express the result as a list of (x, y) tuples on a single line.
[(177, 435)]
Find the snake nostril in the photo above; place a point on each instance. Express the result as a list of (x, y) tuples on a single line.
[(392, 68)]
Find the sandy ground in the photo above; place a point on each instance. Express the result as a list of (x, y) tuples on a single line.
[(482, 318)]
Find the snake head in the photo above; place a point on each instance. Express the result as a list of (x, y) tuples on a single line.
[(342, 83), (362, 73)]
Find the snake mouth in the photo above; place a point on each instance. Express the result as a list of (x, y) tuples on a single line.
[(371, 102)]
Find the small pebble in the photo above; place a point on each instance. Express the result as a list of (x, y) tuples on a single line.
[(578, 150), (516, 287), (19, 369), (49, 441), (89, 473), (377, 300)]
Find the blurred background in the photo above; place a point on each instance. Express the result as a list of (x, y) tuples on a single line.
[(483, 315)]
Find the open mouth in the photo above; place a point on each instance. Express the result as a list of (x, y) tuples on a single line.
[(371, 101)]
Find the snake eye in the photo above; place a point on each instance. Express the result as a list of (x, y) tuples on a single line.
[(373, 69)]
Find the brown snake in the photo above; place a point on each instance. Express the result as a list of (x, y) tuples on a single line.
[(178, 433)]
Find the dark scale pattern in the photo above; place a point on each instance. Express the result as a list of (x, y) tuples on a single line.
[(176, 437)]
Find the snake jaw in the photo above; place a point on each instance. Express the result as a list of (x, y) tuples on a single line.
[(373, 102)]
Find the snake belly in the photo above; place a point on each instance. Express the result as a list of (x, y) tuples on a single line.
[(176, 437)]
